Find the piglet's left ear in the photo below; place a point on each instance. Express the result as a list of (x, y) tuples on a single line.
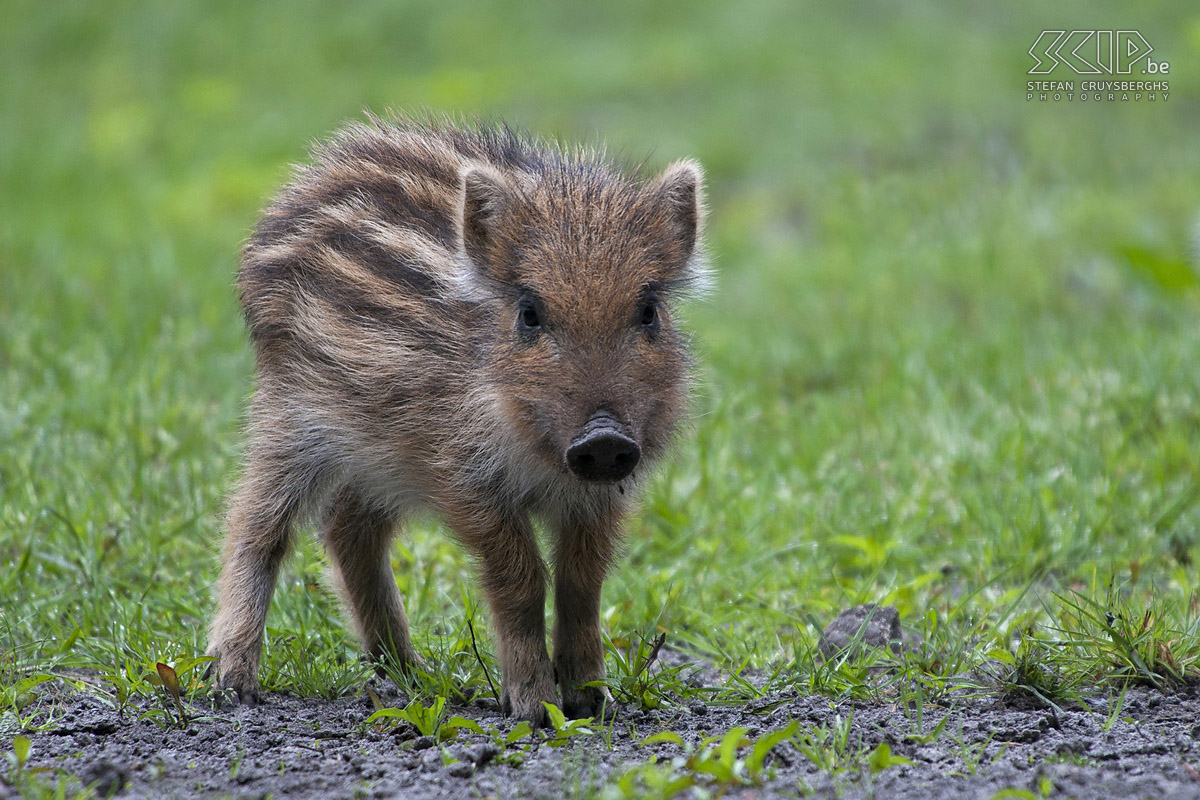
[(679, 193)]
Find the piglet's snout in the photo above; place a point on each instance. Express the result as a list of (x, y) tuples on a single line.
[(603, 450)]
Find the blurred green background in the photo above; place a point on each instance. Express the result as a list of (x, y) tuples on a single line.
[(952, 354)]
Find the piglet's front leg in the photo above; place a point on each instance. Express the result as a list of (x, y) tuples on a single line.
[(583, 554), (514, 582)]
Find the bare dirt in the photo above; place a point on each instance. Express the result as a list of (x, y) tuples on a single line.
[(313, 748)]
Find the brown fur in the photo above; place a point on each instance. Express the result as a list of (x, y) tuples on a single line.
[(387, 291)]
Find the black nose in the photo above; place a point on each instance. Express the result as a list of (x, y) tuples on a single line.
[(603, 452)]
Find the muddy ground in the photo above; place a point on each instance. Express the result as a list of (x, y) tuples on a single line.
[(312, 748)]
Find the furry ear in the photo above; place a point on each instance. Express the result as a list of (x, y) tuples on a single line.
[(486, 198), (679, 190)]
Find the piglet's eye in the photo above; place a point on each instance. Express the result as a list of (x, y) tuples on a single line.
[(649, 314), (527, 318)]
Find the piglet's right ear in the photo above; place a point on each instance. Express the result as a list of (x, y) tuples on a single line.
[(486, 199)]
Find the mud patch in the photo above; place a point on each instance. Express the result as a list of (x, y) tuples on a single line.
[(307, 748)]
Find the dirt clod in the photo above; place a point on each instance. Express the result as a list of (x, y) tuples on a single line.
[(105, 777), (484, 753), (861, 627)]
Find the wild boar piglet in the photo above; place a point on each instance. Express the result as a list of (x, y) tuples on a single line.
[(475, 322)]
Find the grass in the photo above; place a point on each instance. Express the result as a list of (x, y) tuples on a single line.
[(950, 366)]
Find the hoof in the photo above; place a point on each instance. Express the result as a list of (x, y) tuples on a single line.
[(589, 702)]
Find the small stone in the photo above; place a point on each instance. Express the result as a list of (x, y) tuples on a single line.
[(1017, 735), (423, 743), (431, 761), (865, 626), (484, 753), (461, 769), (486, 704), (1071, 747)]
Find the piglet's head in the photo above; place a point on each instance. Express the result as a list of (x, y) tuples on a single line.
[(582, 269)]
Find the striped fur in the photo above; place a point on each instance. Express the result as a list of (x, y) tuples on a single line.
[(385, 291)]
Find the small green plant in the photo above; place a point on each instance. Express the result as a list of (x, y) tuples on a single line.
[(718, 758), (20, 753), (1116, 704), (882, 758), (127, 682), (1033, 671), (654, 780), (40, 783), (17, 701), (971, 753), (311, 665), (918, 734), (455, 667), (514, 745), (633, 682), (1127, 643), (565, 729), (426, 719), (1043, 789), (151, 678), (170, 681), (829, 747), (852, 672), (432, 720), (723, 761), (235, 763)]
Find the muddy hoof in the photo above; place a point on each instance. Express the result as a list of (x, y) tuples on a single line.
[(591, 703), (529, 710), (232, 696)]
